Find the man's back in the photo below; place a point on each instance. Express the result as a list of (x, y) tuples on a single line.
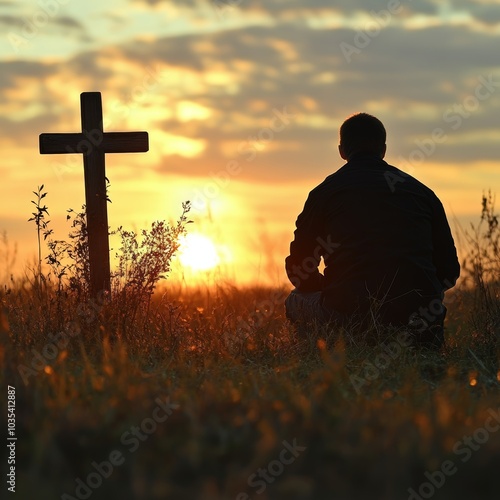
[(383, 235)]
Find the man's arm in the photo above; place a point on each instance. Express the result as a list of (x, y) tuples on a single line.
[(445, 254), (305, 250)]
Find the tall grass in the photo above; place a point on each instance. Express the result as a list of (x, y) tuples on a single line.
[(87, 372)]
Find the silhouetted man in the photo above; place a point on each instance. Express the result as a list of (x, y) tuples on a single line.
[(386, 243)]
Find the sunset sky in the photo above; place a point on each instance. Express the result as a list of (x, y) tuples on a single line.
[(242, 100)]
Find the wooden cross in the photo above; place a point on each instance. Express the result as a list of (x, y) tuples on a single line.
[(93, 143)]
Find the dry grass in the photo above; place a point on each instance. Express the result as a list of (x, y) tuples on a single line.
[(244, 383)]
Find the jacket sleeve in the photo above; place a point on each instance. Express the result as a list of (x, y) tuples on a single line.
[(444, 251), (305, 251)]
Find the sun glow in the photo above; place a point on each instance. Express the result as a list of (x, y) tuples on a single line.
[(198, 253)]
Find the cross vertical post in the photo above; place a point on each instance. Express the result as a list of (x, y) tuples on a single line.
[(95, 192), (93, 143)]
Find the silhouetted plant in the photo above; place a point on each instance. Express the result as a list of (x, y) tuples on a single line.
[(42, 225), (482, 268), (78, 252), (145, 259), (70, 259)]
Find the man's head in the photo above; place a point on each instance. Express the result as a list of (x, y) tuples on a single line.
[(362, 133)]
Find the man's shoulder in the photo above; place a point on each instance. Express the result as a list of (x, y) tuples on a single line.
[(331, 179), (395, 176), (349, 175)]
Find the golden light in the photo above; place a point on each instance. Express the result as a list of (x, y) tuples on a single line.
[(187, 111), (198, 253), (166, 143)]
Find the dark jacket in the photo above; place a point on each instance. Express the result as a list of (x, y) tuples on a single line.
[(384, 237)]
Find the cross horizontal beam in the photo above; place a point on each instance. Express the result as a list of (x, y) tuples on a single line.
[(85, 143)]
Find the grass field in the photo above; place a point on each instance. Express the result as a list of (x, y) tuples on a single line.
[(210, 394)]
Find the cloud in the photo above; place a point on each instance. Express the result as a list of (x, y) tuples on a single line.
[(11, 71), (11, 21), (39, 19), (279, 8), (484, 11), (154, 3), (417, 66), (346, 7), (69, 22), (407, 77)]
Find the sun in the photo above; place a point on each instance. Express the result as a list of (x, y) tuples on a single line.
[(198, 253)]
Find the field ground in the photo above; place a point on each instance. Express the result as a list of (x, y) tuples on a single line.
[(210, 395)]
